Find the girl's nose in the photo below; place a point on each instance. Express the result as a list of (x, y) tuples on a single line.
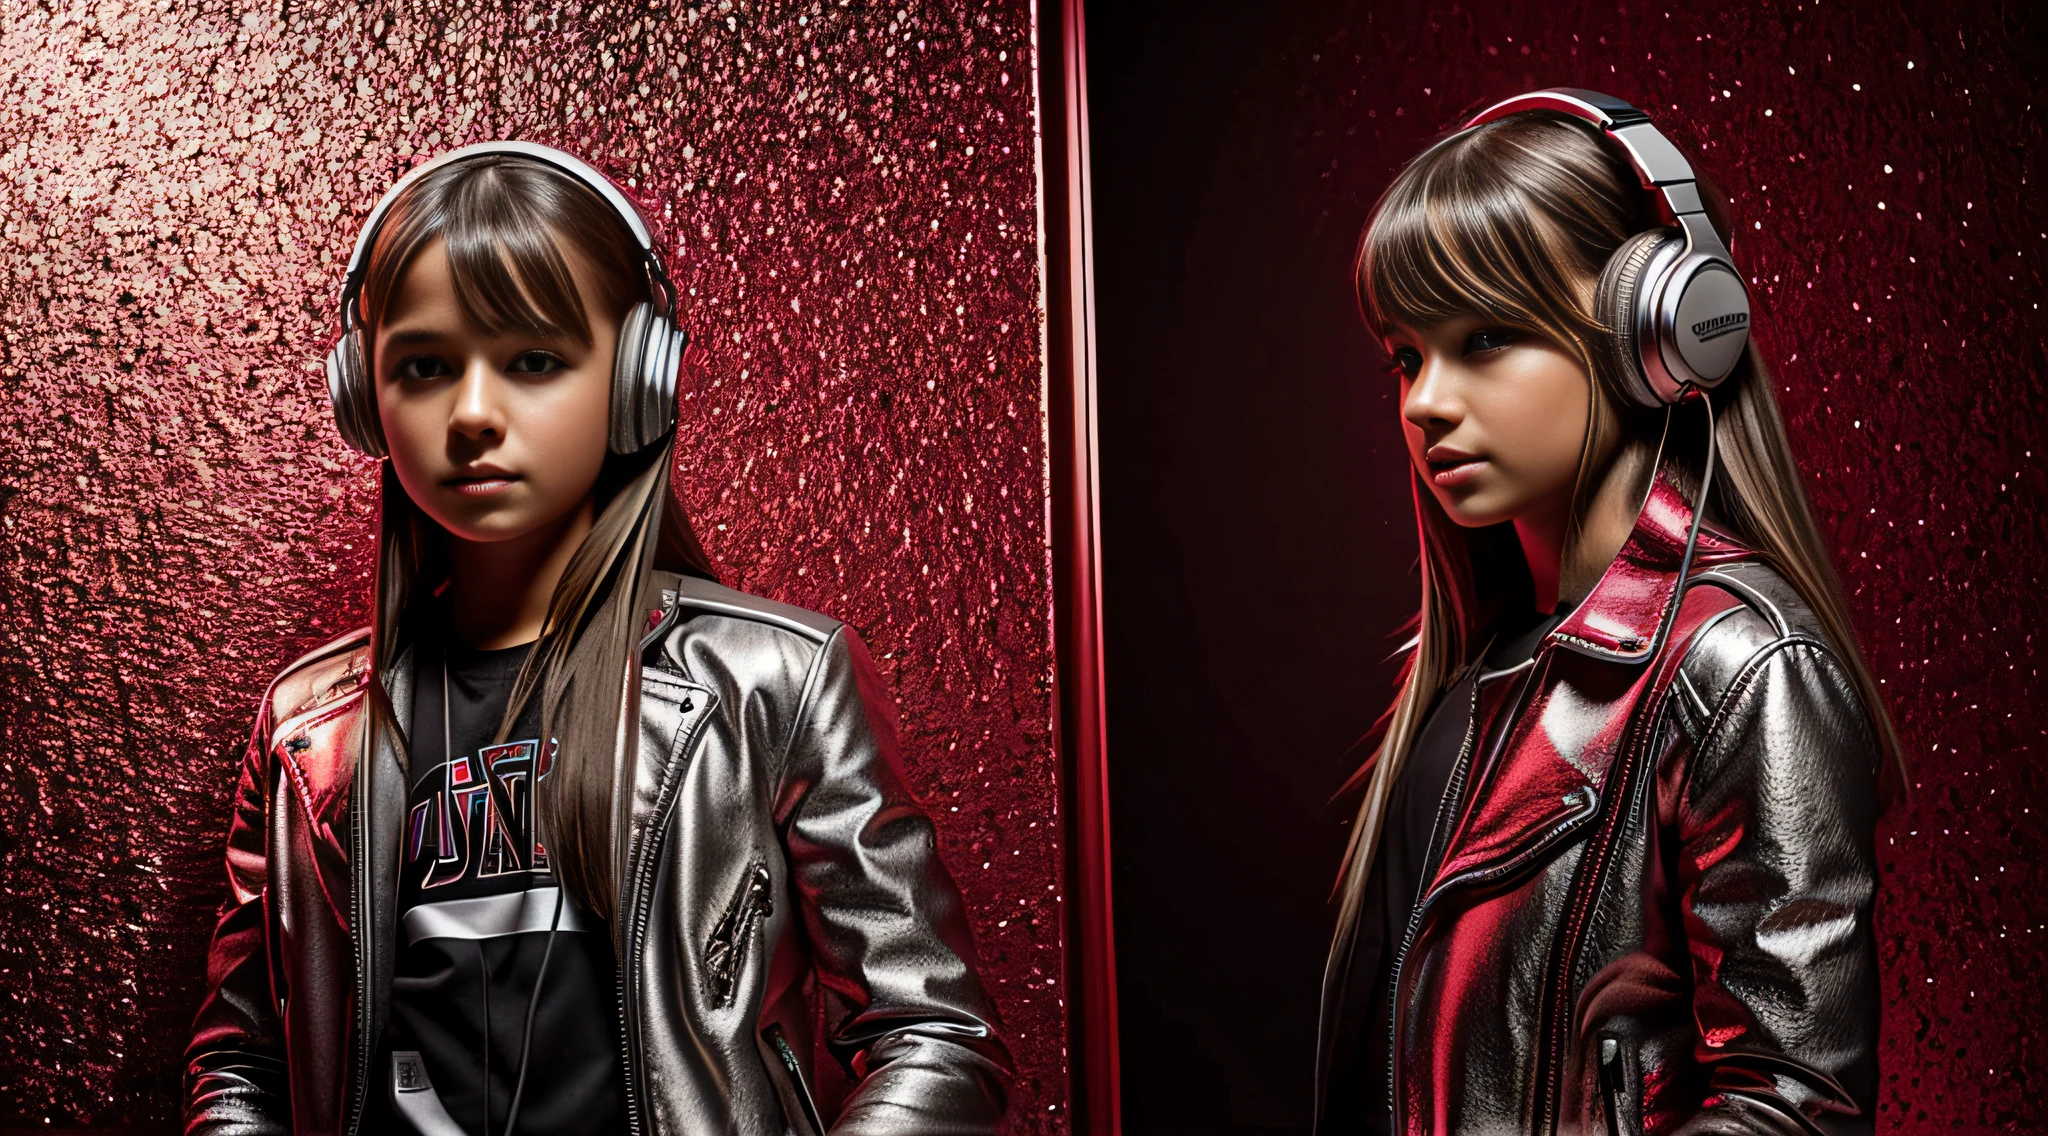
[(1432, 398), (477, 413)]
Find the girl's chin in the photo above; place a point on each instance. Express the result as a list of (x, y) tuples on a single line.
[(1476, 510), (490, 525)]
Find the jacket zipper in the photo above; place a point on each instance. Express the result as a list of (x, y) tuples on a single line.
[(638, 856), (804, 1099), (1593, 871), (636, 917), (359, 828), (626, 1041), (635, 926), (1614, 1087), (1452, 792), (726, 951)]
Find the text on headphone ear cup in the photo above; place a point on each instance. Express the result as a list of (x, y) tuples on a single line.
[(1709, 322), (1618, 302)]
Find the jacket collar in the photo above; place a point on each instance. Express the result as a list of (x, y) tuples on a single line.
[(1627, 614)]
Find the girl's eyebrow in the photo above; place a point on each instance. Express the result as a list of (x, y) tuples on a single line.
[(417, 335)]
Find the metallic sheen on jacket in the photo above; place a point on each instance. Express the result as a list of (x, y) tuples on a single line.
[(778, 878), (1647, 901)]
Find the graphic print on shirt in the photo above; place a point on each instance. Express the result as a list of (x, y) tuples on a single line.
[(476, 822)]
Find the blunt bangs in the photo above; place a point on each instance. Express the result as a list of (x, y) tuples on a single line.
[(501, 221), (1491, 222)]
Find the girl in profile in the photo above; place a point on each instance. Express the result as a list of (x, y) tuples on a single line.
[(1613, 870), (571, 838)]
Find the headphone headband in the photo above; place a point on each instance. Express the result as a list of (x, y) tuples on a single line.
[(588, 175), (1663, 171)]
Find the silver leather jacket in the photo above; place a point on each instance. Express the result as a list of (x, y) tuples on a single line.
[(779, 882), (1646, 906)]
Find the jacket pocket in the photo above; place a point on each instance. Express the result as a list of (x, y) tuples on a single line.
[(1617, 1089), (725, 953), (800, 1107)]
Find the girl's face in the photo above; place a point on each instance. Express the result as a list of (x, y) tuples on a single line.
[(1495, 418), (494, 436)]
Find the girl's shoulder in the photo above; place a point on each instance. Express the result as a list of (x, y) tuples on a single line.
[(1771, 622), (1770, 611), (750, 650), (321, 676), (688, 598)]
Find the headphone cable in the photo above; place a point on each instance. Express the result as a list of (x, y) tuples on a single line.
[(532, 1001), (554, 925)]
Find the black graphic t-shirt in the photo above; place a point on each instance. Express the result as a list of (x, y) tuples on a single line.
[(475, 903)]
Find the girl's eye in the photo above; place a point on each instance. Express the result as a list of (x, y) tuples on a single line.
[(1407, 361), (535, 363), (1488, 339), (422, 367)]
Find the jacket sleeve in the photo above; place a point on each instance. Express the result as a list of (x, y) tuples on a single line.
[(886, 924), (235, 1079), (1777, 871)]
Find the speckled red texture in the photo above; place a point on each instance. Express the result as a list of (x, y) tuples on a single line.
[(849, 192), (1884, 163)]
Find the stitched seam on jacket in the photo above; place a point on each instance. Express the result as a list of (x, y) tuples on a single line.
[(1678, 675), (1744, 680), (814, 678), (1605, 652)]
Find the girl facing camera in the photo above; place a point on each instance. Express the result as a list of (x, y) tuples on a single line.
[(1613, 869), (570, 838)]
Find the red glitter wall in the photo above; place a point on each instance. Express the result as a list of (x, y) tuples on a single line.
[(850, 195), (1884, 162)]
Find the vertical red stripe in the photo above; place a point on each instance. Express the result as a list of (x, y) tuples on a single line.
[(1076, 521)]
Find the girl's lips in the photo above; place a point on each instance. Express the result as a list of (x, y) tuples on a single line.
[(1450, 475), (481, 486)]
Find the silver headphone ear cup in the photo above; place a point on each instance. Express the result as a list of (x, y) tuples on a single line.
[(355, 401), (1620, 300), (363, 393), (629, 380), (659, 410), (650, 353), (1703, 320)]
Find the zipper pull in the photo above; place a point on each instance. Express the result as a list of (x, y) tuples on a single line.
[(1610, 1082)]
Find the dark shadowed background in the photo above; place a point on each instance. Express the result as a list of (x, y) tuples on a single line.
[(1884, 162)]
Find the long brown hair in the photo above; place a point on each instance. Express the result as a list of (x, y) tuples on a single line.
[(503, 220), (1514, 221)]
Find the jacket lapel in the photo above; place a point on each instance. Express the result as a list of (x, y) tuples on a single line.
[(1525, 796), (1541, 783), (1623, 616), (316, 749)]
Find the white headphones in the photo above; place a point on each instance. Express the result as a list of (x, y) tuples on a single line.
[(650, 349), (1672, 296)]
